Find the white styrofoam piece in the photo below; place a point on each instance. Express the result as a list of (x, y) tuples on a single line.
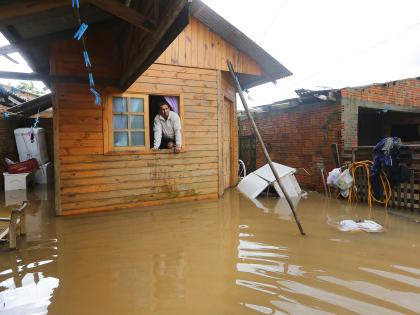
[(266, 173), (15, 197), (278, 190), (281, 207), (252, 185), (16, 181), (27, 149), (283, 210), (260, 205), (44, 174), (290, 184), (296, 184)]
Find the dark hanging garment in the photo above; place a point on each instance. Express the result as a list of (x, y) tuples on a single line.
[(385, 157), (398, 174)]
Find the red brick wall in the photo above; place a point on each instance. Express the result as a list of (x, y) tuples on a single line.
[(402, 93), (299, 137)]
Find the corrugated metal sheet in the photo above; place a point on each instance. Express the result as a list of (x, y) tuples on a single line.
[(32, 107), (272, 69)]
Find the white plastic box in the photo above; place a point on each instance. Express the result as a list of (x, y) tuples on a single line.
[(15, 197), (44, 174), (16, 181), (27, 149)]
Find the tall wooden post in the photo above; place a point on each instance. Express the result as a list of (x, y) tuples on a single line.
[(260, 140)]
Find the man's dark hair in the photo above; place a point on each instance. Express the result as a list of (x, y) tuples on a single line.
[(163, 102)]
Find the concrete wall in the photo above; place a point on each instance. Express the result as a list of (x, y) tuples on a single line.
[(399, 96)]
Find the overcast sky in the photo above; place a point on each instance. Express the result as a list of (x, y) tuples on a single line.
[(330, 43), (324, 43)]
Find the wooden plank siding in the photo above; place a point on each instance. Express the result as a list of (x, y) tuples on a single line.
[(89, 179), (197, 46)]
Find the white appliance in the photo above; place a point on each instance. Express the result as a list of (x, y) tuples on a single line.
[(44, 174), (254, 183), (35, 148)]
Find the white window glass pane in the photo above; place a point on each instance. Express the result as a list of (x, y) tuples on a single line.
[(120, 122), (137, 138), (136, 105), (119, 104), (121, 139), (137, 122)]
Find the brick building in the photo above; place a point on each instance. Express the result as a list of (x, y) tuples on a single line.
[(299, 132)]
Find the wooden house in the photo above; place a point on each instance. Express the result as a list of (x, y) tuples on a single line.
[(100, 165)]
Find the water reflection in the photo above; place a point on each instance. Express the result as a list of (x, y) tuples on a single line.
[(278, 206), (408, 300), (211, 257), (347, 303), (27, 283), (303, 287), (32, 296)]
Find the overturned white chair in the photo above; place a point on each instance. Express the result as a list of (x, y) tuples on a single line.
[(11, 228)]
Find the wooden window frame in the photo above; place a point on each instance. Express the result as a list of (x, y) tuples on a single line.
[(108, 129)]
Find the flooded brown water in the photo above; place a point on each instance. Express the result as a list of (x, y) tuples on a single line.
[(214, 257)]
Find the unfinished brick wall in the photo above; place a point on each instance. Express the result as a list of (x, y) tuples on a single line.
[(401, 96), (403, 93), (299, 137)]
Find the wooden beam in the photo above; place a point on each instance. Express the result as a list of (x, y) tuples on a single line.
[(150, 45), (12, 35), (22, 76), (53, 78), (19, 44), (22, 8), (10, 59), (221, 180), (8, 49), (123, 12), (156, 11)]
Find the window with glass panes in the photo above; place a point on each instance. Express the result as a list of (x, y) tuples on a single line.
[(129, 116)]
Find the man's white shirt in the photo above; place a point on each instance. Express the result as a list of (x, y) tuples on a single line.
[(169, 128)]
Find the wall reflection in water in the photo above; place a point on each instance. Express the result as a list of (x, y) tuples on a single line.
[(312, 275), (28, 275), (224, 256)]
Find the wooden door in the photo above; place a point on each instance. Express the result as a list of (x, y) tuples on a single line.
[(227, 143)]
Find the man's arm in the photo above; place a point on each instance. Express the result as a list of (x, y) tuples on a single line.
[(157, 129)]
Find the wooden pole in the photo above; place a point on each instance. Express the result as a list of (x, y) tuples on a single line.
[(336, 155), (260, 140)]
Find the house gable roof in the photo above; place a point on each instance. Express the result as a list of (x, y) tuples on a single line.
[(271, 69), (148, 26)]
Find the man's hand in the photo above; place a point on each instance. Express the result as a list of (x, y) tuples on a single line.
[(155, 149), (177, 149)]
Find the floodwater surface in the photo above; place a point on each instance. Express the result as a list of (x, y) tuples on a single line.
[(227, 256)]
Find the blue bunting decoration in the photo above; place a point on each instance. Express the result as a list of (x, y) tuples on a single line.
[(79, 36)]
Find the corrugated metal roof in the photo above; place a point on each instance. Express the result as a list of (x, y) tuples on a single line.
[(272, 69), (32, 107)]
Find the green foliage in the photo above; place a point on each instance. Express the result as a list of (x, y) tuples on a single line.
[(29, 87)]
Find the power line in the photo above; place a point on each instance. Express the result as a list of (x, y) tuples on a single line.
[(364, 50), (272, 21)]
